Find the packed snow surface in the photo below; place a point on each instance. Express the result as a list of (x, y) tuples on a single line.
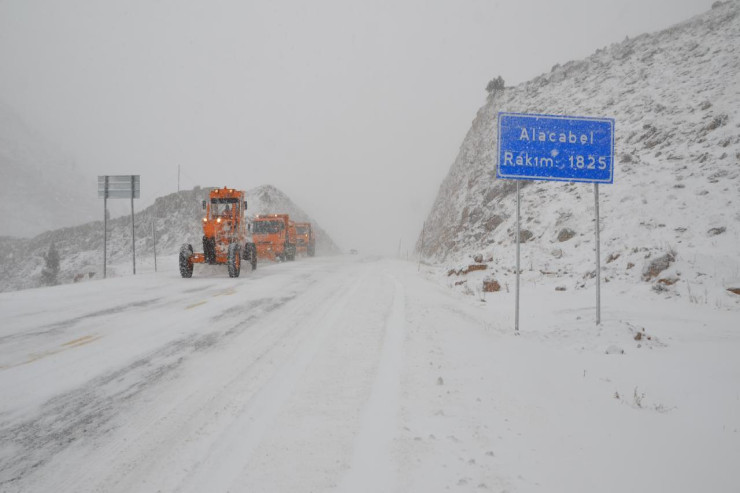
[(351, 373)]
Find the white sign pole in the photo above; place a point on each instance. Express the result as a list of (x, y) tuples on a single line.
[(598, 257), (516, 314), (154, 235), (133, 227), (423, 232), (105, 227)]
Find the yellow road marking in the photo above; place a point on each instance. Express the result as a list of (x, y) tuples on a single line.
[(67, 345), (195, 304), (226, 292), (81, 341)]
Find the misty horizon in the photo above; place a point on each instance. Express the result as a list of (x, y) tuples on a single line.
[(356, 111)]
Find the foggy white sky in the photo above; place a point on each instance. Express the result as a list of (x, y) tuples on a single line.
[(355, 109)]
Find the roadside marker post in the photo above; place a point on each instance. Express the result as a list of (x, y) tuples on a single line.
[(556, 148)]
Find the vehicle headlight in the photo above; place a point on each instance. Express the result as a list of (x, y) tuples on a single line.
[(218, 220)]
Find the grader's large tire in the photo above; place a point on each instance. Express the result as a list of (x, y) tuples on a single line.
[(234, 260), (186, 264)]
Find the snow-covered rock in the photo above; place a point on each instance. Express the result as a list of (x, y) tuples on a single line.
[(675, 97)]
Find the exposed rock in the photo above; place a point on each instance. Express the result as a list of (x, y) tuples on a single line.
[(668, 281), (717, 121), (470, 268), (493, 222), (565, 234), (656, 266), (474, 267), (716, 231), (491, 286), (659, 288), (525, 235)]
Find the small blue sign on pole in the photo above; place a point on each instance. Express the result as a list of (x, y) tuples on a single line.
[(559, 148)]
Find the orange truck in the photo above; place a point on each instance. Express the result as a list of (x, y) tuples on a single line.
[(226, 237), (306, 241), (274, 237)]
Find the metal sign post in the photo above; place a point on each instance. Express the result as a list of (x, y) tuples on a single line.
[(133, 228), (598, 257), (518, 239), (118, 187), (105, 225), (423, 231), (556, 148), (154, 236)]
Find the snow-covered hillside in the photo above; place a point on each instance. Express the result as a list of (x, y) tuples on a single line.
[(675, 96), (175, 218), (40, 189)]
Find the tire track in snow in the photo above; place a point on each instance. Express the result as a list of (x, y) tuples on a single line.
[(372, 468), (206, 405), (222, 468), (85, 413), (59, 326)]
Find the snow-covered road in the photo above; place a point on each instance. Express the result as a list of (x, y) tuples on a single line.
[(346, 373)]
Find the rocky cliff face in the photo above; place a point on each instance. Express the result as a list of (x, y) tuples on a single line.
[(176, 218), (675, 96)]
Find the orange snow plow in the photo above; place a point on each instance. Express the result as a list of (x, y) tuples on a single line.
[(225, 234), (305, 239), (274, 237)]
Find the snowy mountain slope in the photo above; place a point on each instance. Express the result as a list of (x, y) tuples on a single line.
[(37, 186), (176, 218), (675, 96)]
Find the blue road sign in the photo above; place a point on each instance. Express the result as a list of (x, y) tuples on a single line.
[(560, 148)]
